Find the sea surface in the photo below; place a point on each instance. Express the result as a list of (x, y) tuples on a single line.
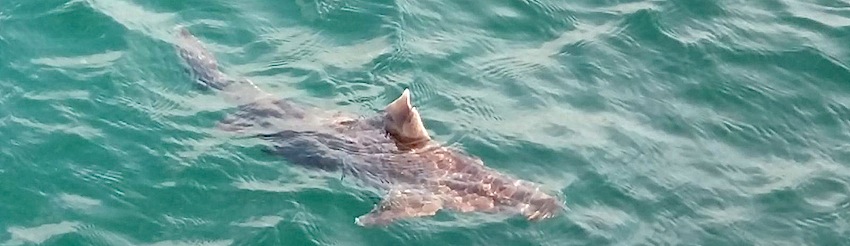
[(684, 122)]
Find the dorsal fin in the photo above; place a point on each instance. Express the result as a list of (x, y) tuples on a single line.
[(403, 122)]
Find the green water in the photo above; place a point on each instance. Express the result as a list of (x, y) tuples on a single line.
[(658, 122)]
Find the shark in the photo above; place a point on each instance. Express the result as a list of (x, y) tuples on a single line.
[(390, 150)]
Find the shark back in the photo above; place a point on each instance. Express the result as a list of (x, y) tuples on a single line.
[(391, 151)]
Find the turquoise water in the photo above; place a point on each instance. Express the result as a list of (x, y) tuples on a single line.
[(658, 122)]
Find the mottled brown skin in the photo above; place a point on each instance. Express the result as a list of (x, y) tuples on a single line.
[(390, 151), (461, 183)]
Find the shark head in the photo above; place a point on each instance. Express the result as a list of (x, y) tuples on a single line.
[(403, 123)]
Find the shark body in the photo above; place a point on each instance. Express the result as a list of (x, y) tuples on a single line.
[(391, 151)]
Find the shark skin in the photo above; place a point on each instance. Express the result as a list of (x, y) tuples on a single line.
[(391, 151)]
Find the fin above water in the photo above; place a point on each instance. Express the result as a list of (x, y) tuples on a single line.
[(403, 120)]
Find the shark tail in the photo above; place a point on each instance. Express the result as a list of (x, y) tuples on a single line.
[(201, 62)]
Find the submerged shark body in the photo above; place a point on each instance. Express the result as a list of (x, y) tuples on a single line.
[(392, 151)]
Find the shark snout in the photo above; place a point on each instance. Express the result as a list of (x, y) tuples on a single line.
[(543, 208)]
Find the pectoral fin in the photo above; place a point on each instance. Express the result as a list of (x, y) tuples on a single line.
[(401, 204)]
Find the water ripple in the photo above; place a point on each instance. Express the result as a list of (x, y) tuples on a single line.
[(659, 122), (40, 234)]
